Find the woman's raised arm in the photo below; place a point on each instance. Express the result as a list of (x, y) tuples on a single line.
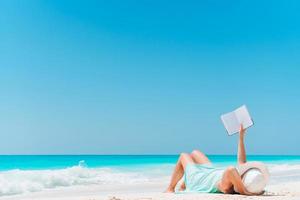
[(241, 146)]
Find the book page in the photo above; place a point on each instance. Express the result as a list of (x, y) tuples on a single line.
[(230, 122), (243, 116)]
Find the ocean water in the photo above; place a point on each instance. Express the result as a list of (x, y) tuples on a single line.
[(25, 174)]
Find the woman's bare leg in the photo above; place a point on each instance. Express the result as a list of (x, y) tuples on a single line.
[(198, 158), (183, 160)]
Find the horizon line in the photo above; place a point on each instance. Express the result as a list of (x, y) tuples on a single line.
[(291, 155)]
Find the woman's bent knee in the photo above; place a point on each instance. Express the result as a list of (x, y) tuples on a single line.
[(195, 152), (231, 169), (184, 155)]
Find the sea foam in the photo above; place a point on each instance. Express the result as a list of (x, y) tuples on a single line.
[(284, 173), (24, 181)]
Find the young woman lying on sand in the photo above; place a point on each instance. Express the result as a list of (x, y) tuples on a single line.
[(202, 176)]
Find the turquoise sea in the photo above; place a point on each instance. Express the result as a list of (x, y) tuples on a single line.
[(32, 173), (40, 162)]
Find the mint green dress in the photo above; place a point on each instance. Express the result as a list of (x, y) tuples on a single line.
[(202, 178)]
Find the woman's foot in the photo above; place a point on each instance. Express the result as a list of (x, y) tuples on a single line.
[(182, 186), (169, 190)]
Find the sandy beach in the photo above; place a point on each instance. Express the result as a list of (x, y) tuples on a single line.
[(286, 191)]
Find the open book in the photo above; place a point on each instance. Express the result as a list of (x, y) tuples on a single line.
[(233, 120)]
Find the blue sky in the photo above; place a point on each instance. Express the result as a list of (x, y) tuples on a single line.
[(147, 77)]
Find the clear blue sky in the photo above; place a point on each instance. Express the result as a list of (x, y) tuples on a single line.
[(147, 77)]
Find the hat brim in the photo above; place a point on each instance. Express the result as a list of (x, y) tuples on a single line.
[(243, 168)]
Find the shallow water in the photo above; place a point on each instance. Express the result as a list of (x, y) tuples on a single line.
[(23, 174)]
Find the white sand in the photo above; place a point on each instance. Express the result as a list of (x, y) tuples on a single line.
[(151, 192)]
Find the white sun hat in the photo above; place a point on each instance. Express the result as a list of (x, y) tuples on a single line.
[(255, 176)]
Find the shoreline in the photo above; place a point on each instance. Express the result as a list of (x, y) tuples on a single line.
[(286, 191), (133, 182)]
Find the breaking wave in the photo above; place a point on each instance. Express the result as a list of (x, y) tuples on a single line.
[(24, 181)]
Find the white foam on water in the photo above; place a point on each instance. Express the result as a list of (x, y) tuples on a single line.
[(24, 181), (281, 173)]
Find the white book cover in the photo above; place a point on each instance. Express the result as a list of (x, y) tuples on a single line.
[(233, 120)]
